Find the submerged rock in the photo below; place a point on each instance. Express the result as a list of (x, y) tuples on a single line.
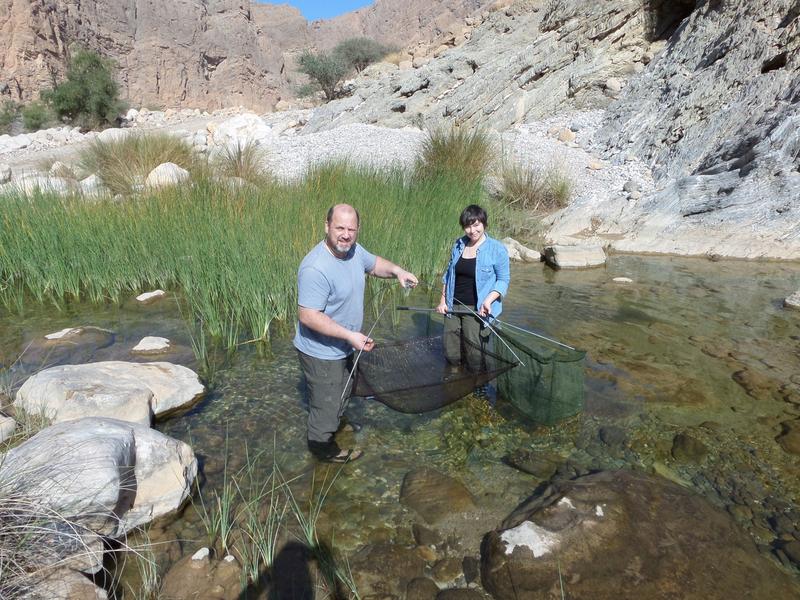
[(202, 577), (434, 495), (386, 569), (134, 392), (793, 301), (105, 474), (574, 257), (621, 534), (686, 448), (789, 439)]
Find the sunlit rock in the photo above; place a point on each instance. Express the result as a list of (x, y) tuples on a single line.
[(148, 297), (591, 532), (793, 301), (574, 257), (165, 175), (151, 345), (105, 474), (135, 392)]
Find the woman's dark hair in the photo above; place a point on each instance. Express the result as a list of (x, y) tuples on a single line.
[(473, 213)]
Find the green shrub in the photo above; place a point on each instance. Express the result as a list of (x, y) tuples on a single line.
[(124, 164), (455, 152), (89, 95), (35, 116), (359, 52), (8, 113), (325, 70)]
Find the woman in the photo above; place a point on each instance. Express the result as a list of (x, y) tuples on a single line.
[(477, 277)]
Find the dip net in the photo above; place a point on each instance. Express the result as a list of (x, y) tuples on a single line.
[(549, 386), (413, 376)]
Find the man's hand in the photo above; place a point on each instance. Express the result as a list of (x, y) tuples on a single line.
[(406, 279), (361, 342)]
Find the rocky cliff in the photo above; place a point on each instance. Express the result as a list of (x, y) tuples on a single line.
[(706, 93), (195, 53), (186, 52)]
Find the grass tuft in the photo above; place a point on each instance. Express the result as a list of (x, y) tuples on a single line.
[(534, 189), (458, 153), (245, 161), (123, 165)]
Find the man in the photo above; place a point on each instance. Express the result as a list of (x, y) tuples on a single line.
[(330, 310)]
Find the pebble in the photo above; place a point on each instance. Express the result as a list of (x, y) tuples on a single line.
[(622, 280), (151, 296)]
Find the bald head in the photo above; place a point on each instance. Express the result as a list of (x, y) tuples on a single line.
[(343, 210), (341, 229)]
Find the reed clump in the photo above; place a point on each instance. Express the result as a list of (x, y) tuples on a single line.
[(456, 152), (123, 165), (534, 189), (230, 251)]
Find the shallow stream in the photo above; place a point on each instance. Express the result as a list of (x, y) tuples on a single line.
[(692, 347)]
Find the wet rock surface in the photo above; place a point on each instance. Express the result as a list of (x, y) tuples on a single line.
[(647, 534), (434, 495), (386, 569)]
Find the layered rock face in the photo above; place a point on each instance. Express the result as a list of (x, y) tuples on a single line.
[(200, 54), (525, 62), (717, 117)]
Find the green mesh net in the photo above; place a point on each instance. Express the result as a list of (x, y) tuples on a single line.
[(549, 386)]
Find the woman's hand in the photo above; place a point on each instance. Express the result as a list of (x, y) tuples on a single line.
[(442, 307), (486, 308)]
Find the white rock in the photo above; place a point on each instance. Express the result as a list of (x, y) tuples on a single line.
[(111, 135), (59, 169), (91, 186), (5, 173), (63, 333), (242, 129), (108, 475), (134, 392), (151, 296), (7, 427), (151, 344), (520, 251), (30, 184), (201, 554), (574, 257), (131, 114), (622, 280), (166, 174), (793, 301), (65, 584)]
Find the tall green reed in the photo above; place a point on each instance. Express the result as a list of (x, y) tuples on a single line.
[(232, 254)]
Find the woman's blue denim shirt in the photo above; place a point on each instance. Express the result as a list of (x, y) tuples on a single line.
[(492, 272)]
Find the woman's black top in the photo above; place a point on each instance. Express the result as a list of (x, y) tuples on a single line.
[(465, 283)]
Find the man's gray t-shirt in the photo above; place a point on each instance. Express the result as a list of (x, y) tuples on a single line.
[(334, 286)]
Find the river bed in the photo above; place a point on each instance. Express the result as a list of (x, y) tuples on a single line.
[(691, 349)]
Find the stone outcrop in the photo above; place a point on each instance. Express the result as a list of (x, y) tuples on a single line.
[(625, 535), (716, 116), (526, 62), (134, 392), (105, 474), (200, 54), (574, 257)]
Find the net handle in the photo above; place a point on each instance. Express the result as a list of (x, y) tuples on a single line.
[(462, 311)]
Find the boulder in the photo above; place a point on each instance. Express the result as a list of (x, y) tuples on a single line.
[(165, 175), (134, 392), (793, 301), (151, 344), (198, 576), (434, 495), (7, 427), (385, 569), (59, 169), (91, 186), (111, 135), (30, 184), (105, 474), (524, 254), (574, 257), (64, 584), (242, 129), (622, 534)]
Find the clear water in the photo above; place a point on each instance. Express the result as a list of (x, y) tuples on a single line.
[(662, 353)]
